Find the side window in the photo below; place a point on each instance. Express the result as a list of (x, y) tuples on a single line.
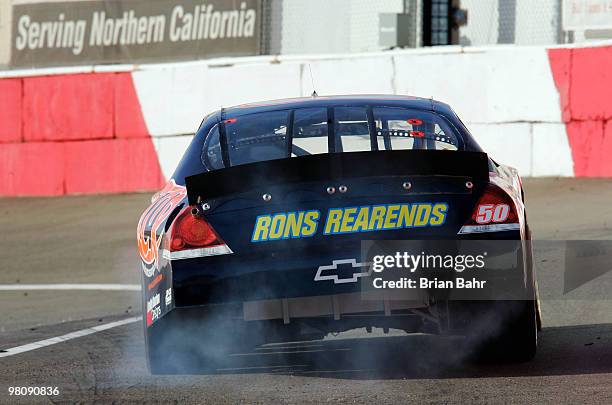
[(400, 128), (211, 152), (352, 133), (309, 131), (257, 137)]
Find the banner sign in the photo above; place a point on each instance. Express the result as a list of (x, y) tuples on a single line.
[(579, 15), (132, 31)]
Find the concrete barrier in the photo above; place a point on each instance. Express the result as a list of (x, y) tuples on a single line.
[(124, 128), (73, 134)]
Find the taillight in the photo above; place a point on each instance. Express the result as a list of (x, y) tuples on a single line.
[(495, 211), (192, 236)]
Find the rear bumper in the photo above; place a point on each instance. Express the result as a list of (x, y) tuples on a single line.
[(308, 318), (244, 277), (281, 293), (335, 306)]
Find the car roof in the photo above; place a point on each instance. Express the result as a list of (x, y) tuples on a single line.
[(340, 100), (191, 162)]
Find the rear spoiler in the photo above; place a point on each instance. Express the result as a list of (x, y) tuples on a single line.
[(336, 166)]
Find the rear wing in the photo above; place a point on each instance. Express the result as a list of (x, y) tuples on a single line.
[(336, 166)]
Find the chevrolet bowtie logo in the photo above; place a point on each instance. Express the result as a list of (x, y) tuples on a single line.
[(332, 272)]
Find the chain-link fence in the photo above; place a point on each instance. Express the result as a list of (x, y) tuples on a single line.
[(521, 22), (324, 26), (339, 26)]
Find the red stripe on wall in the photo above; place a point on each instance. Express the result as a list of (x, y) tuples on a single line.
[(129, 121), (68, 107), (35, 168), (591, 81), (74, 134), (10, 110), (583, 77), (111, 166), (560, 64)]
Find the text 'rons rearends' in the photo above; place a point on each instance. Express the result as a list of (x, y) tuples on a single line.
[(303, 224)]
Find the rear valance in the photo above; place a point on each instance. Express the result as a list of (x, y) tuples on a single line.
[(336, 166)]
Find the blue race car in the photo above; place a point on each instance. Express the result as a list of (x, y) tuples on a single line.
[(257, 237)]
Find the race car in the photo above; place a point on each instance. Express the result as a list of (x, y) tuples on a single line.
[(258, 236)]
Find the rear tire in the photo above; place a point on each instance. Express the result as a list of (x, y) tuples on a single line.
[(182, 345), (516, 340), (174, 351)]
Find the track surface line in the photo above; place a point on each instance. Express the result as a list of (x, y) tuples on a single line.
[(69, 336), (89, 287)]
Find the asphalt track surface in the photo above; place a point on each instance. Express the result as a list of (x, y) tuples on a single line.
[(92, 240)]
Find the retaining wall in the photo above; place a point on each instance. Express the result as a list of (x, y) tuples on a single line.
[(123, 128)]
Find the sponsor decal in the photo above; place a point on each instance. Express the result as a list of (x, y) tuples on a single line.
[(487, 213), (343, 271), (151, 225), (284, 225), (155, 281), (168, 297), (153, 309), (303, 224)]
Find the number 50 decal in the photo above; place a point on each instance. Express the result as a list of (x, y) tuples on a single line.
[(492, 213)]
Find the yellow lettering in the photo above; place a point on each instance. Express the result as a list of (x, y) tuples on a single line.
[(348, 220), (438, 214), (333, 220), (310, 222), (422, 215), (260, 232), (378, 216), (406, 215), (277, 226), (293, 227), (390, 220), (361, 223)]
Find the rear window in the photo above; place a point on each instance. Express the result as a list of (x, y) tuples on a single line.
[(352, 131), (264, 136), (310, 133), (400, 128)]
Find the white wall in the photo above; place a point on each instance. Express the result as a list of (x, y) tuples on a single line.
[(505, 95)]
